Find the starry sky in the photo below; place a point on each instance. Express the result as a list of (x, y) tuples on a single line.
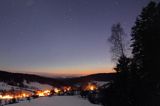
[(61, 36)]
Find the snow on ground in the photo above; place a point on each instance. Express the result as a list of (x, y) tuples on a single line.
[(37, 85), (4, 86), (101, 83), (56, 101), (31, 85)]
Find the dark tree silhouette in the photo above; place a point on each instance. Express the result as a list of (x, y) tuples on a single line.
[(117, 92), (117, 40), (142, 37), (146, 37), (138, 79), (118, 48)]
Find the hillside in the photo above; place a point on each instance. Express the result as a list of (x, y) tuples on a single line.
[(88, 78), (19, 78)]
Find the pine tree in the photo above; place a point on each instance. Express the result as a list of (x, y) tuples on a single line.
[(146, 37), (146, 41)]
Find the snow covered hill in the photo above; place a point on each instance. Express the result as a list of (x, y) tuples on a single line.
[(56, 101), (30, 86), (5, 86), (36, 85)]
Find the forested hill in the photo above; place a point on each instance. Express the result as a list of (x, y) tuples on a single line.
[(92, 77), (18, 78), (14, 78)]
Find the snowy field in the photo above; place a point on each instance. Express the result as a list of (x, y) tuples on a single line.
[(56, 101)]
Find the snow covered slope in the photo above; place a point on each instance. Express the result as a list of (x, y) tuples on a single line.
[(101, 83), (36, 85), (4, 86), (56, 101), (31, 86)]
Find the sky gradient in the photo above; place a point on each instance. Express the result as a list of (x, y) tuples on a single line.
[(61, 36)]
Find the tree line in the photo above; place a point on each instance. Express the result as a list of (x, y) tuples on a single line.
[(137, 81)]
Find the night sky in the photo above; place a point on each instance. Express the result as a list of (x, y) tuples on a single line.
[(61, 36)]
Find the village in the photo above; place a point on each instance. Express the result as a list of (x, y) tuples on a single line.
[(13, 96)]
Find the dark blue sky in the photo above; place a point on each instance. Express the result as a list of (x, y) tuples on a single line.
[(61, 36)]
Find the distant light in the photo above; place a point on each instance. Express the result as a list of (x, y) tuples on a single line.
[(92, 88), (56, 90), (6, 97), (43, 93)]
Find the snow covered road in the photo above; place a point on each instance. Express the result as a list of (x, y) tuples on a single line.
[(56, 101)]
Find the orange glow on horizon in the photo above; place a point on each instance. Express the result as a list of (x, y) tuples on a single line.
[(85, 71), (67, 71)]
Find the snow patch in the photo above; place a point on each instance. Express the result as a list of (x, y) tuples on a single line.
[(39, 86)]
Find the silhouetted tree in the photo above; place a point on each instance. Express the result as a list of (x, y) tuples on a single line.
[(118, 48), (117, 40), (138, 79), (146, 51), (142, 34), (117, 93)]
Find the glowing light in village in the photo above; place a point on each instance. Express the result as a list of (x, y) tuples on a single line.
[(66, 88), (24, 95), (43, 93), (90, 87), (56, 90), (40, 94), (6, 97)]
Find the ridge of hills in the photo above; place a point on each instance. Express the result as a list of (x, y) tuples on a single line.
[(17, 79)]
